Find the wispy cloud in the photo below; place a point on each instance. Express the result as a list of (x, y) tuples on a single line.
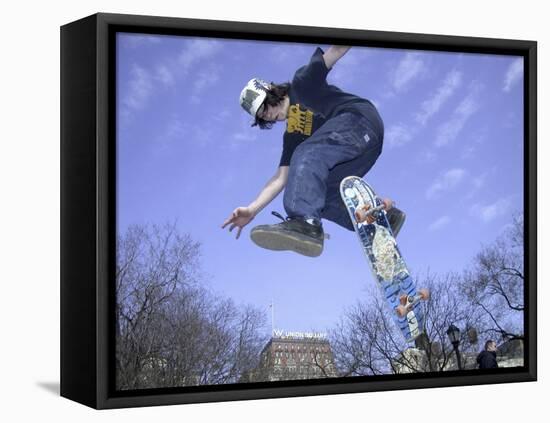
[(477, 183), (426, 156), (439, 223), (145, 81), (476, 139), (377, 103), (449, 131), (203, 135), (398, 135), (164, 75), (280, 54), (445, 182), (409, 68), (284, 53), (179, 129), (223, 116), (351, 69), (513, 75), (204, 80), (401, 134), (142, 84), (176, 129), (433, 104), (513, 119), (139, 89), (489, 212), (136, 40), (227, 181), (196, 51), (245, 134)]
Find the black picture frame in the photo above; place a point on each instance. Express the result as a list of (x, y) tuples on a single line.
[(88, 205)]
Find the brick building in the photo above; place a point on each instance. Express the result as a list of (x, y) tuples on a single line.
[(295, 355)]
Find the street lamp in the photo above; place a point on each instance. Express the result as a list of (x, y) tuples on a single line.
[(454, 336)]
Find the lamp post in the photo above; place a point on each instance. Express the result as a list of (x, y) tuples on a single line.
[(454, 336)]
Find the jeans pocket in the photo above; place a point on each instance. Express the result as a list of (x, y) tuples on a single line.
[(367, 135), (337, 137), (350, 140), (353, 131)]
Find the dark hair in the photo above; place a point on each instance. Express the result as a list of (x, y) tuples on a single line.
[(489, 342), (275, 95)]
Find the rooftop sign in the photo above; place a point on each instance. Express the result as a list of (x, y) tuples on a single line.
[(299, 335)]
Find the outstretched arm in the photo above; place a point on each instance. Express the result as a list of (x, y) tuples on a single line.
[(333, 54), (242, 216), (271, 190)]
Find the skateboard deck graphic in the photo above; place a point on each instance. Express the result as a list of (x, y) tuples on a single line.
[(386, 262)]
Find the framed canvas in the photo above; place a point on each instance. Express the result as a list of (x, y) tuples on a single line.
[(179, 136)]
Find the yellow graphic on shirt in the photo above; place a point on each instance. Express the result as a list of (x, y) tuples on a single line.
[(299, 121)]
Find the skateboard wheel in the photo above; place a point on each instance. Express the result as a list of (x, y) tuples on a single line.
[(424, 293), (388, 204), (402, 310)]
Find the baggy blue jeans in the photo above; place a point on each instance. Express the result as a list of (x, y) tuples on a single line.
[(345, 145)]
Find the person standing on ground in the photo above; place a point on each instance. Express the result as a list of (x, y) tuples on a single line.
[(487, 359)]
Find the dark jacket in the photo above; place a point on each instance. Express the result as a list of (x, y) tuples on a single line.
[(487, 360)]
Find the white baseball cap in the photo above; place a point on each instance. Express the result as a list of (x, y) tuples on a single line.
[(253, 95)]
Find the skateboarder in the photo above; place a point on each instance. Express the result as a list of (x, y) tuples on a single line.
[(330, 134)]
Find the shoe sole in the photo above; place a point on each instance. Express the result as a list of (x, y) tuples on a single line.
[(280, 241), (399, 224)]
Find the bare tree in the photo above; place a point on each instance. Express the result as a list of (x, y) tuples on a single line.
[(486, 299), (151, 265), (447, 305), (367, 341), (323, 362), (496, 283), (359, 343), (171, 331)]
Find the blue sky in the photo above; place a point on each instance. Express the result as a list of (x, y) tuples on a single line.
[(452, 160)]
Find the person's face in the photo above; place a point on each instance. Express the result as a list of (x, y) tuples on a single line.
[(492, 346), (272, 113)]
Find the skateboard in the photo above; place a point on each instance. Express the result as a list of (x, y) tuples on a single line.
[(368, 215)]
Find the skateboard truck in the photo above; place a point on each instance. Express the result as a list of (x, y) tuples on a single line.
[(407, 302), (369, 214)]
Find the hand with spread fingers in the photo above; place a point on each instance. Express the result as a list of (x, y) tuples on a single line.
[(240, 217)]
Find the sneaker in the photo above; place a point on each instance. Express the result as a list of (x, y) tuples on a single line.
[(292, 234), (396, 218)]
